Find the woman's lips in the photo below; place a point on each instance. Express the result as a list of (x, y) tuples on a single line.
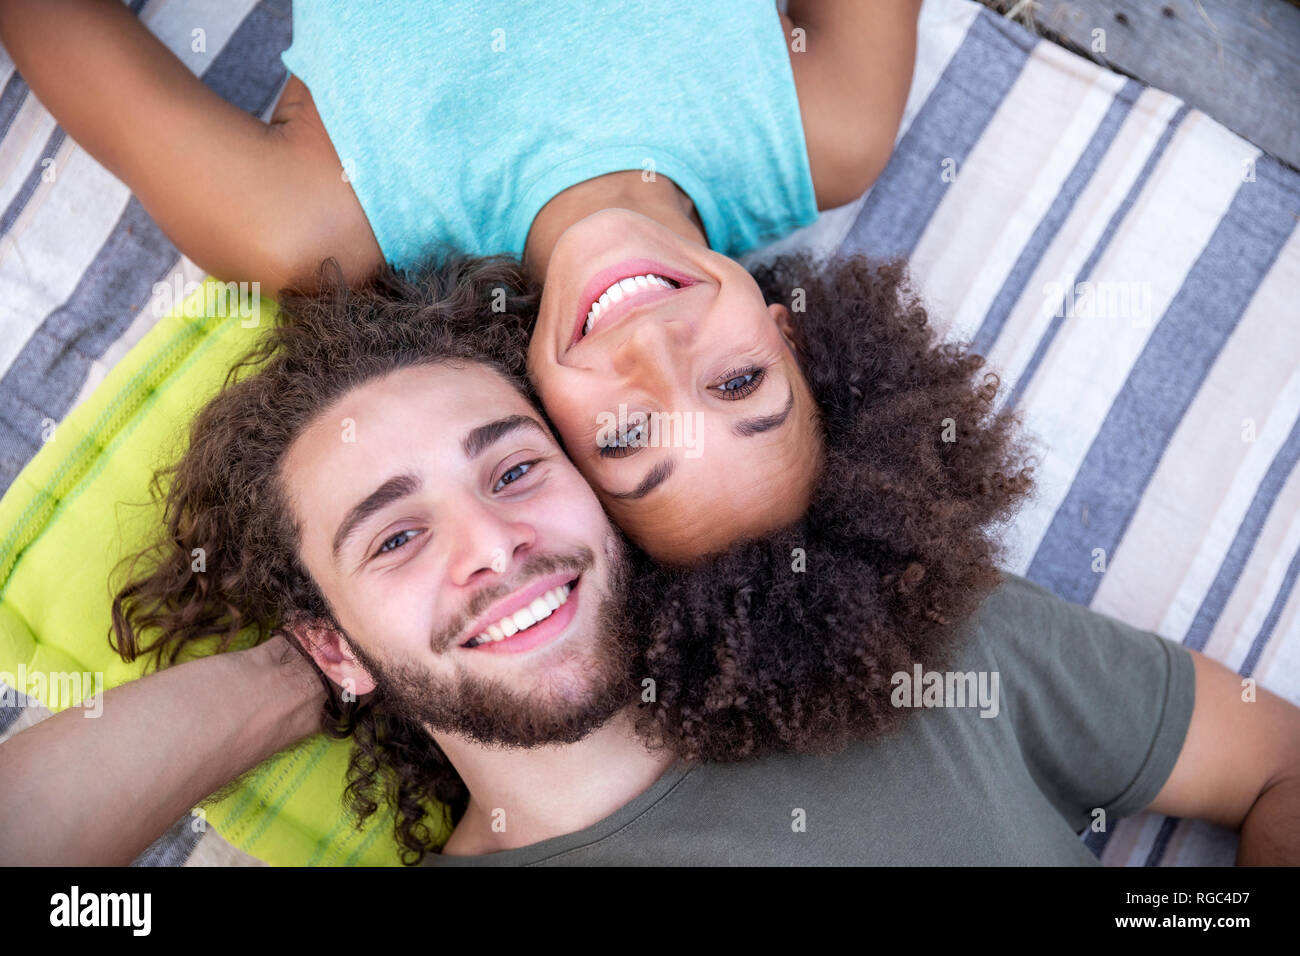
[(615, 312), (627, 269)]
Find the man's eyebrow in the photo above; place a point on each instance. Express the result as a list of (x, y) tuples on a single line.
[(655, 477), (399, 486), (748, 427), (480, 439)]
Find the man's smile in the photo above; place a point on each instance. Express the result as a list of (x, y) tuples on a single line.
[(529, 618)]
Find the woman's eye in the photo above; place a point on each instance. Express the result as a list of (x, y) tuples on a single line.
[(397, 540), (513, 474), (631, 440), (738, 384)]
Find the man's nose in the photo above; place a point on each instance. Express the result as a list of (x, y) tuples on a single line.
[(487, 541)]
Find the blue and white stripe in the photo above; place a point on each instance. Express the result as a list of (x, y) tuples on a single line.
[(1169, 441)]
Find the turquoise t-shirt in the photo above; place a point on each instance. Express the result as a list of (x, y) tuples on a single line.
[(457, 121)]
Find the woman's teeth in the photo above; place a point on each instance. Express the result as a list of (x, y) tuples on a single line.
[(621, 289), (524, 618)]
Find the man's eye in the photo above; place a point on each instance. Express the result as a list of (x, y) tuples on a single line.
[(739, 383), (397, 540), (513, 474)]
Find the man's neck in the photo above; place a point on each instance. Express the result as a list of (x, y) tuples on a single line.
[(658, 198), (520, 797)]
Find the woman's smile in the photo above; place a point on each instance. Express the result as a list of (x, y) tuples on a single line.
[(614, 292)]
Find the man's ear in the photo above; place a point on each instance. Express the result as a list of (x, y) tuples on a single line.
[(332, 655), (784, 321)]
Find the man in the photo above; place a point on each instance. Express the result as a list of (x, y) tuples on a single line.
[(383, 492)]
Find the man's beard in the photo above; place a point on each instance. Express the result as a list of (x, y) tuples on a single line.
[(554, 712)]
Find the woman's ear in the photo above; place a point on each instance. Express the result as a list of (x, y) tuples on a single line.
[(784, 321), (332, 655)]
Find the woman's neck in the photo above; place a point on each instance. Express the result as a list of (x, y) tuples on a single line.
[(659, 198)]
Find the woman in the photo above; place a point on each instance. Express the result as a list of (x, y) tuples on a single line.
[(624, 161)]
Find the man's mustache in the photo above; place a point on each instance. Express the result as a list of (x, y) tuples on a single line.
[(578, 561)]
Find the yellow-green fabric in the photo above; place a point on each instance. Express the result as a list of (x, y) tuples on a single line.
[(82, 503)]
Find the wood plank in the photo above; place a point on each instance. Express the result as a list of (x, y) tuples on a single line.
[(1237, 60)]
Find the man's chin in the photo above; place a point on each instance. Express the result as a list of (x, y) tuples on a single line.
[(571, 698), (566, 711)]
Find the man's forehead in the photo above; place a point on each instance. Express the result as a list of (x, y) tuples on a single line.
[(437, 403), (408, 414)]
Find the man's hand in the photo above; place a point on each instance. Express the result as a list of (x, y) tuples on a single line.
[(98, 792), (1240, 766)]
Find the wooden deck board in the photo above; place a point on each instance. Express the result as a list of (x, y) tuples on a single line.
[(1236, 60)]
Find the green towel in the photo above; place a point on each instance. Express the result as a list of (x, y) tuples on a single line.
[(82, 504)]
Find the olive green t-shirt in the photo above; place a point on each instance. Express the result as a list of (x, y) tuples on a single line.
[(1085, 714)]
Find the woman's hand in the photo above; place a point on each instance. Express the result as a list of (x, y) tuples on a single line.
[(853, 71), (248, 201)]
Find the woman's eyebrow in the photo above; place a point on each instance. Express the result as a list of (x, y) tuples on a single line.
[(655, 477), (748, 427)]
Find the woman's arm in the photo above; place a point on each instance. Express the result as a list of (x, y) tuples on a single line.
[(244, 199), (852, 77), (98, 791)]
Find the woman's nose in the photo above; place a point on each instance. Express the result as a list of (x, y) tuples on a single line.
[(653, 348)]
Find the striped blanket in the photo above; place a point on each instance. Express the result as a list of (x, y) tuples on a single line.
[(1128, 266)]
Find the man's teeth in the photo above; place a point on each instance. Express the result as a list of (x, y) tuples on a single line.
[(619, 290), (524, 618)]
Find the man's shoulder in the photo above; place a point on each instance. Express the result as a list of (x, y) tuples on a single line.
[(1022, 624), (1018, 606), (1048, 642), (1017, 593), (1015, 607)]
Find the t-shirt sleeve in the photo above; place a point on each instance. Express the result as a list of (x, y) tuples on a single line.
[(1100, 708)]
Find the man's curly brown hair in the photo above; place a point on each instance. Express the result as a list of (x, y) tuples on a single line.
[(225, 496), (781, 644)]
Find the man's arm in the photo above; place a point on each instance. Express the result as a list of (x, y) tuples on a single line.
[(1239, 767), (98, 791), (245, 200), (852, 79)]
